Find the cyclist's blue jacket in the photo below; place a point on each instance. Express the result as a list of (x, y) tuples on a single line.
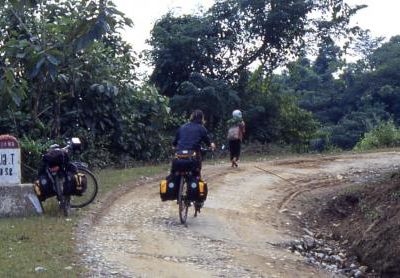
[(190, 136)]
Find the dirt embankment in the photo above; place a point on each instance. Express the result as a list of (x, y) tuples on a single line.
[(253, 217), (364, 217)]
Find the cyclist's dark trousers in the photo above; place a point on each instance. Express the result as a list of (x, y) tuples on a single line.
[(234, 148), (197, 170)]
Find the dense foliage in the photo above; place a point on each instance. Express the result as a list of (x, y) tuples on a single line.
[(385, 135), (358, 99), (65, 71), (207, 61)]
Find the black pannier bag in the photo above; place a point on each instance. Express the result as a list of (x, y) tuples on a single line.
[(197, 189), (169, 188), (80, 183), (55, 157), (43, 187), (75, 183)]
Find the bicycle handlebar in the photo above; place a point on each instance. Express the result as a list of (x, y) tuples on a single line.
[(207, 150), (71, 144)]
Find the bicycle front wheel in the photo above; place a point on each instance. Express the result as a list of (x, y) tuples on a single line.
[(90, 193), (66, 205), (183, 201)]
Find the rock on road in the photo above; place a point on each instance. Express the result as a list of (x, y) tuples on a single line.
[(246, 218)]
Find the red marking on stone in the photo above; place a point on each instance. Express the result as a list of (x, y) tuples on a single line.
[(8, 142)]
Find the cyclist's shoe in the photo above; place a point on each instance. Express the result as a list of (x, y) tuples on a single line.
[(234, 163)]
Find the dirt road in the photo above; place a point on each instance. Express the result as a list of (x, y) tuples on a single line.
[(240, 232)]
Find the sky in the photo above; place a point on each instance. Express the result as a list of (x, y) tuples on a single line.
[(381, 17), (145, 13)]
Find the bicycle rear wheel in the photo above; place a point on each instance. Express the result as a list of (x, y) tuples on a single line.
[(182, 201), (91, 191)]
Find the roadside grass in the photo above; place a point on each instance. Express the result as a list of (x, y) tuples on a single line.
[(110, 178), (377, 150), (48, 241), (43, 241)]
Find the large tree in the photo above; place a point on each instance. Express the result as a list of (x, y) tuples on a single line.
[(52, 53), (233, 35), (181, 46), (65, 71)]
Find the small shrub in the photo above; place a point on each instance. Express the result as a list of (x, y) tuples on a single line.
[(386, 134)]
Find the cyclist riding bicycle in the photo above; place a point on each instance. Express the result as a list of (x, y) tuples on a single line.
[(188, 141), (190, 136)]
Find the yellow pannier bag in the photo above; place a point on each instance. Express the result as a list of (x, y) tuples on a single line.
[(203, 190), (169, 189)]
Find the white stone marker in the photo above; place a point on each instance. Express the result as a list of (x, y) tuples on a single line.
[(10, 161), (16, 199)]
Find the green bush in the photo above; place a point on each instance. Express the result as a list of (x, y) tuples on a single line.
[(386, 134)]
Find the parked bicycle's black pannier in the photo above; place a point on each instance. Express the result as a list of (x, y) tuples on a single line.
[(55, 157), (75, 182), (44, 188), (197, 190), (169, 188)]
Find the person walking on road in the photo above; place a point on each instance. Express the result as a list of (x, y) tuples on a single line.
[(235, 136)]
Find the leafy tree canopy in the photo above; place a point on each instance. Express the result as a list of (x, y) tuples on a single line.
[(235, 34), (66, 71), (349, 105)]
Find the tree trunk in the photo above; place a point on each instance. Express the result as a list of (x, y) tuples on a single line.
[(57, 116)]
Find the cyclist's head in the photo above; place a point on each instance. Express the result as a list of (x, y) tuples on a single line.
[(197, 116), (237, 114)]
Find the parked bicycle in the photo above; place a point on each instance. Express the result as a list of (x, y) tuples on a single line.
[(74, 185)]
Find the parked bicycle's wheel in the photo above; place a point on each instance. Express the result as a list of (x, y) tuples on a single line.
[(90, 192), (182, 201), (62, 199)]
